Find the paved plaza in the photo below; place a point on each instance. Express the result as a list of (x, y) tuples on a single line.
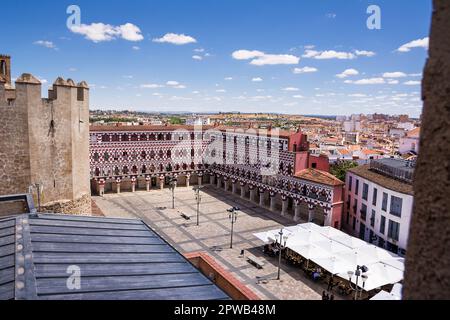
[(213, 235)]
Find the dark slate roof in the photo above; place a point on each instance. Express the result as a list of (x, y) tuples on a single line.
[(118, 259)]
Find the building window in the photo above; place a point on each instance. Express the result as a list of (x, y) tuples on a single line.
[(363, 212), (396, 206), (350, 182), (393, 230), (357, 187), (372, 219), (385, 201), (375, 196), (355, 206), (354, 223), (365, 194), (382, 224), (314, 165)]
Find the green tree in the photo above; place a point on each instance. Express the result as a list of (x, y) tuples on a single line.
[(340, 168)]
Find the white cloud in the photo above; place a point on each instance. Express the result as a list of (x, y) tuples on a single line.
[(419, 43), (259, 58), (391, 81), (257, 79), (199, 50), (357, 95), (290, 89), (366, 81), (329, 54), (305, 70), (176, 98), (136, 48), (221, 91), (72, 69), (228, 78), (275, 59), (298, 96), (196, 57), (98, 32), (151, 86), (47, 44), (415, 75), (177, 39), (348, 73), (175, 84), (365, 53), (412, 83), (394, 74), (128, 77), (246, 54), (331, 15)]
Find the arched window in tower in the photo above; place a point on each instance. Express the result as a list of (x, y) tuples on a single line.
[(152, 154), (169, 137), (105, 138), (192, 165), (184, 166), (97, 172), (161, 154), (125, 137), (106, 156), (144, 169), (144, 137), (169, 154), (192, 152), (3, 67), (134, 137), (152, 168), (116, 171), (134, 170), (96, 156), (125, 154), (177, 167), (160, 137), (125, 170), (161, 167), (143, 154)]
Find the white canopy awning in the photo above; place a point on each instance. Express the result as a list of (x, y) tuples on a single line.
[(338, 253), (333, 264), (384, 295)]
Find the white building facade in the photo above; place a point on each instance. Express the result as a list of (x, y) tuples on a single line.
[(377, 210)]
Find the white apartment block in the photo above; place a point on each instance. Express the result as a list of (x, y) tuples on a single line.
[(379, 203)]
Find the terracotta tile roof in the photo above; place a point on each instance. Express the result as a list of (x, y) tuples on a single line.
[(344, 151), (415, 133), (319, 176), (382, 180)]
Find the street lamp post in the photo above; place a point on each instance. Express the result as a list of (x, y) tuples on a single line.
[(233, 218), (172, 183), (281, 246), (359, 272), (198, 198)]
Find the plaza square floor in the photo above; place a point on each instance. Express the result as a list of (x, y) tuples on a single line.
[(213, 235)]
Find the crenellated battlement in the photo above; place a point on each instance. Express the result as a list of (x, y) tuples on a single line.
[(9, 94)]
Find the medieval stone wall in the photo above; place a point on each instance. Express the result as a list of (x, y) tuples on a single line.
[(427, 274)]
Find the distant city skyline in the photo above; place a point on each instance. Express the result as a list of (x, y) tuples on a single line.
[(286, 57)]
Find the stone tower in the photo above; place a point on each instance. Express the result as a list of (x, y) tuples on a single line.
[(46, 142)]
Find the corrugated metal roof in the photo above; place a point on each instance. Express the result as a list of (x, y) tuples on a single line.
[(117, 259)]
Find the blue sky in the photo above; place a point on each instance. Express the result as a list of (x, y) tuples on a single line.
[(286, 56)]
